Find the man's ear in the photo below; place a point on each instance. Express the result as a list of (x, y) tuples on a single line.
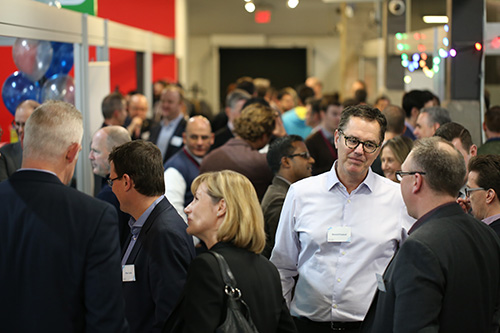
[(417, 183), (285, 162), (184, 137), (491, 196), (72, 152), (128, 182)]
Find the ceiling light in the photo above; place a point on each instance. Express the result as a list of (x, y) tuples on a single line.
[(292, 3), (435, 19), (250, 7)]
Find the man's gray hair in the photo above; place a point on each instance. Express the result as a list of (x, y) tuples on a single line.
[(235, 96), (117, 135), (437, 114), (442, 163), (51, 129)]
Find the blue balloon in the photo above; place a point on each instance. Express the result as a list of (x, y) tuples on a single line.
[(18, 88), (62, 59)]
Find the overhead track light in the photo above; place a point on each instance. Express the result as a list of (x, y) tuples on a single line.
[(435, 19), (292, 3)]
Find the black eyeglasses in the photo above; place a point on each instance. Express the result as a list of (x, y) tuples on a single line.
[(304, 154), (400, 174), (353, 142), (110, 181), (468, 190), (17, 125)]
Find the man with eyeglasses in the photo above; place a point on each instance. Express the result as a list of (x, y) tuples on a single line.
[(445, 277), (483, 188), (11, 155), (158, 251), (338, 229), (290, 162)]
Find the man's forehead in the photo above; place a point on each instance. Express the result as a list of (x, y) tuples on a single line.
[(362, 127)]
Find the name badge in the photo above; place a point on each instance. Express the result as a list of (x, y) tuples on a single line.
[(339, 234), (380, 282), (128, 273), (176, 141)]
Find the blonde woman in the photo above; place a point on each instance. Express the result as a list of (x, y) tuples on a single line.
[(225, 214)]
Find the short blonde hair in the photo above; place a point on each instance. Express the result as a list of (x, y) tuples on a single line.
[(243, 223)]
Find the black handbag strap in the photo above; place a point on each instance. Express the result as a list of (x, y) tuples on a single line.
[(227, 275)]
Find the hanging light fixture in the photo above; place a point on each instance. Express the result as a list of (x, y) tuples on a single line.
[(250, 6), (292, 3)]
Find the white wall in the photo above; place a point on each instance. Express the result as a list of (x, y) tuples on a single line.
[(323, 56)]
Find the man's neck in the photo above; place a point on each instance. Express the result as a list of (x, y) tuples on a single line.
[(493, 209), (60, 171), (350, 182), (141, 204)]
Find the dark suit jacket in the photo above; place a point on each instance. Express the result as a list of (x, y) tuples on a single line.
[(272, 203), (161, 257), (221, 137), (496, 226), (321, 151), (59, 258), (106, 194), (11, 157), (445, 277), (202, 307), (171, 149)]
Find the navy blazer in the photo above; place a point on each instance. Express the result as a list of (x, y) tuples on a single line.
[(161, 257), (59, 258), (171, 149), (444, 278), (202, 307), (11, 157)]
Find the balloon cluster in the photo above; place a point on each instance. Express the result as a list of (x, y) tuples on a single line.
[(43, 73)]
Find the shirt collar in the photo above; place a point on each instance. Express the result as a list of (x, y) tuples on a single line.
[(133, 224), (40, 170), (333, 179), (174, 122), (196, 158), (490, 219), (284, 179), (328, 135)]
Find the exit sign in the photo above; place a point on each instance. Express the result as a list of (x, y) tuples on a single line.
[(262, 16)]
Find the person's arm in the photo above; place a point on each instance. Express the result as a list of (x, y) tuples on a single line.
[(286, 249), (170, 256), (202, 308), (418, 284), (175, 190), (103, 284)]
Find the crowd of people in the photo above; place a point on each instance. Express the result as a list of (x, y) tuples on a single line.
[(332, 215)]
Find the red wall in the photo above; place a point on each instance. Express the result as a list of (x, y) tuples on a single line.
[(154, 15)]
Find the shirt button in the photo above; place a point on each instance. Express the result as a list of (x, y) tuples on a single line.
[(335, 306), (349, 201), (338, 280), (343, 253)]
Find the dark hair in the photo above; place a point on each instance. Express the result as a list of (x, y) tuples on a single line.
[(245, 83), (428, 96), (279, 148), (450, 131), (413, 99), (395, 117), (364, 112), (444, 168), (283, 92), (360, 96), (142, 161), (492, 119), (315, 104), (487, 168), (112, 102), (328, 100), (255, 100), (304, 92)]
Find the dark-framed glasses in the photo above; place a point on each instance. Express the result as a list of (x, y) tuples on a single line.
[(17, 125), (468, 190), (304, 154), (110, 181), (353, 142), (401, 174)]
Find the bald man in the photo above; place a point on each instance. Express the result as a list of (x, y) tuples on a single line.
[(11, 155), (184, 166)]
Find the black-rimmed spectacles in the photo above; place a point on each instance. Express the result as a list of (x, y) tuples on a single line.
[(400, 174), (353, 142), (110, 181)]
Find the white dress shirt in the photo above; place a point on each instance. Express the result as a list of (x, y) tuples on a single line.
[(337, 280)]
